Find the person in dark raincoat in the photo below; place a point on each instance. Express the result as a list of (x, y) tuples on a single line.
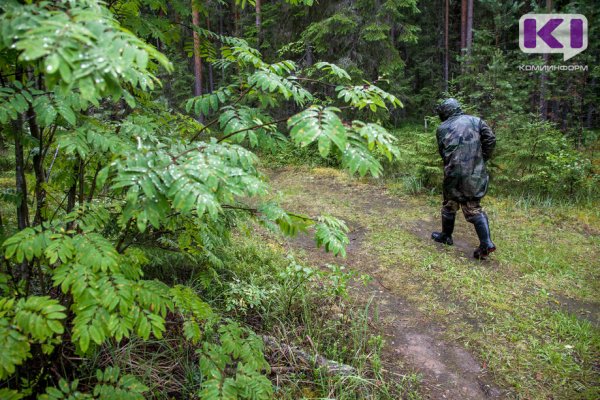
[(465, 144)]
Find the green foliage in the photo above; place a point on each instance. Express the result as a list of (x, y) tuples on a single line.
[(13, 102), (333, 70), (205, 104), (331, 234), (287, 299), (233, 367), (79, 47), (195, 311), (110, 386), (367, 95), (321, 125), (378, 138), (536, 156), (272, 83), (10, 394), (354, 145), (80, 95), (24, 322), (418, 164)]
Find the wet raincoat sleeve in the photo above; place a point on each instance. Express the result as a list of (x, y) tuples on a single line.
[(438, 135), (488, 140)]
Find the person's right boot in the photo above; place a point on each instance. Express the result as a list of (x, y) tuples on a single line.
[(482, 227), (445, 236)]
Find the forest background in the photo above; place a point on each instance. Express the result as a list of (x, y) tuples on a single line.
[(137, 219)]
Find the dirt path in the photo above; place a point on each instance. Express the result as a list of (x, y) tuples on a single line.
[(413, 341)]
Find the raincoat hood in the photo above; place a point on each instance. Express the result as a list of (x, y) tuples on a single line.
[(448, 108)]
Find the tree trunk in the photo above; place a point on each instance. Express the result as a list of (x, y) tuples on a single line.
[(469, 36), (463, 26), (446, 53), (258, 24), (197, 58), (21, 181), (309, 55), (81, 182), (236, 19), (22, 271), (72, 194), (38, 167)]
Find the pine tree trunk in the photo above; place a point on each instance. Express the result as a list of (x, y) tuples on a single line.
[(463, 26), (197, 58), (258, 23), (469, 35)]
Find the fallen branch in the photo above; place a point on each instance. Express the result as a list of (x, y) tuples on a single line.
[(331, 367)]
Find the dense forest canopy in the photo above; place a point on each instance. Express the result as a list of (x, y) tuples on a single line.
[(135, 134)]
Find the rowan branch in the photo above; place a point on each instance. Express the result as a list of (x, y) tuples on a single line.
[(215, 120)]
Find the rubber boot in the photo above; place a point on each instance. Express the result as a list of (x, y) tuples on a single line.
[(482, 227), (445, 236)]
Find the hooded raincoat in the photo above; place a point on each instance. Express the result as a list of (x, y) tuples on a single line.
[(465, 143)]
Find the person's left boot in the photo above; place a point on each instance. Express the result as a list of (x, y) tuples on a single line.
[(482, 227)]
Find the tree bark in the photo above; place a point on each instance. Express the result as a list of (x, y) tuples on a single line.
[(469, 35), (236, 19), (22, 271), (81, 182), (20, 181), (38, 167), (197, 58), (463, 26), (258, 23)]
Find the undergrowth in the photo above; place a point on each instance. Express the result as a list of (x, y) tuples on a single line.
[(262, 292)]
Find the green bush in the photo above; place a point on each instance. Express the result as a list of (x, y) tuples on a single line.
[(534, 157)]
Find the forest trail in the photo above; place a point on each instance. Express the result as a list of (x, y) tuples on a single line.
[(414, 341)]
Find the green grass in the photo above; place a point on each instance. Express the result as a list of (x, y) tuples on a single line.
[(535, 349), (506, 311), (309, 308)]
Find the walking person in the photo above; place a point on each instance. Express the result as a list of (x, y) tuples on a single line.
[(465, 144)]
